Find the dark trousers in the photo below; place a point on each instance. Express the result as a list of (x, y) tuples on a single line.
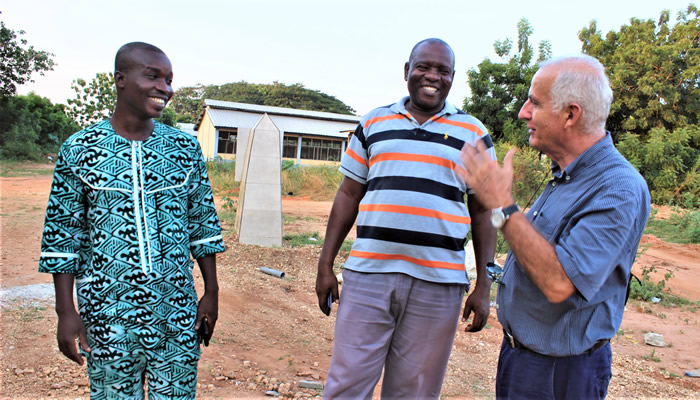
[(523, 374)]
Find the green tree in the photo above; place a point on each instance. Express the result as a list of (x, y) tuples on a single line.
[(188, 101), (499, 89), (31, 126), (94, 100), (17, 64), (669, 162), (654, 71), (169, 117)]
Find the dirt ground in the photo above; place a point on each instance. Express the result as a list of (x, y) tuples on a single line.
[(271, 335)]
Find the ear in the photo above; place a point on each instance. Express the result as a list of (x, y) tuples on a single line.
[(119, 79), (406, 67), (573, 116)]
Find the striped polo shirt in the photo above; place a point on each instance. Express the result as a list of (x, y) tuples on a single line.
[(413, 218)]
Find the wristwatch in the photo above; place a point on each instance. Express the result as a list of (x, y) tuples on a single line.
[(500, 215)]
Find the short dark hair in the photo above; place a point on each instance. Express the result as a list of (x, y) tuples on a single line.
[(429, 41), (122, 61)]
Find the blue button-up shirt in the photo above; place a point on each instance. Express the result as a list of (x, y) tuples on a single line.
[(593, 213)]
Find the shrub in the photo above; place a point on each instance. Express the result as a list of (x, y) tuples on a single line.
[(683, 226), (318, 182), (669, 161)]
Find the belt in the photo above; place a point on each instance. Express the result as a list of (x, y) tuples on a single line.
[(514, 343)]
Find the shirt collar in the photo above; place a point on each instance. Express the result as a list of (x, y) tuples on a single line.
[(400, 108), (585, 160)]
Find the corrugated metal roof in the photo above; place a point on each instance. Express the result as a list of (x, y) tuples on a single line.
[(280, 111), (227, 118)]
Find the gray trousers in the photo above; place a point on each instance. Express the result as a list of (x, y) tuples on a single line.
[(396, 322)]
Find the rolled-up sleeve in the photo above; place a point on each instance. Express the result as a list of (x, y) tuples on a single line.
[(599, 240)]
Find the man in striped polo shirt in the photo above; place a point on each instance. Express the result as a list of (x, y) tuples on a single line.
[(563, 289), (405, 279)]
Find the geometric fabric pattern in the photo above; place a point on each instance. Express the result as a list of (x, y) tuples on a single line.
[(171, 369), (127, 218)]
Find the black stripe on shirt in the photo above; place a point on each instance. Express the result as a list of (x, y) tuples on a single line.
[(420, 135), (360, 135), (411, 237), (414, 184)]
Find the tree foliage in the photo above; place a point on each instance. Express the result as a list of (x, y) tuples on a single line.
[(654, 70), (31, 126), (669, 161), (94, 100), (169, 117), (17, 64), (499, 89), (188, 101)]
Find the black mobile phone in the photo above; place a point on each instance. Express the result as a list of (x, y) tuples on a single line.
[(329, 304), (204, 332)]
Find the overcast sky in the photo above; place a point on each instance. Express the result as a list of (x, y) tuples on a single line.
[(353, 50)]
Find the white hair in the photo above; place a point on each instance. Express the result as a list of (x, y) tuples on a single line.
[(586, 85)]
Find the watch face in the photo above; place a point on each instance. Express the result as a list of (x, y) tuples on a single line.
[(497, 218)]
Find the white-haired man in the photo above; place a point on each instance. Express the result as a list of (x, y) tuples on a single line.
[(562, 293)]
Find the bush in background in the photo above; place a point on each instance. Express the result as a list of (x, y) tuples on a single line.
[(317, 182)]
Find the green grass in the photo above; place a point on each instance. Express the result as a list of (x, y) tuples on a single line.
[(347, 245), (317, 182), (222, 175), (302, 239), (13, 169), (652, 356), (32, 313), (288, 219), (683, 226)]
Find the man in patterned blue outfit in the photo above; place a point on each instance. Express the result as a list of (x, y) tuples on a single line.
[(130, 206)]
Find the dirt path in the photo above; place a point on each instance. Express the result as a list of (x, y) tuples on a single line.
[(271, 335)]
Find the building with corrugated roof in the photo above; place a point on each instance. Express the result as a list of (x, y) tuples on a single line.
[(308, 137)]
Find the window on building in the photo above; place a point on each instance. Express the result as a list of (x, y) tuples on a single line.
[(289, 146), (227, 141), (321, 149)]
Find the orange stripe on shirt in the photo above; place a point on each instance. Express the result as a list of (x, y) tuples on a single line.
[(356, 157), (423, 212), (418, 261), (465, 125), (380, 119), (443, 162)]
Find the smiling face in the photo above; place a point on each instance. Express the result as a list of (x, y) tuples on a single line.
[(429, 74), (545, 124), (144, 86)]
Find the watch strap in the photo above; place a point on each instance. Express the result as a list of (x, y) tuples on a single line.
[(513, 208)]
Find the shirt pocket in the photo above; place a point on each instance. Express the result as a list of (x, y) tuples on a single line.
[(546, 226)]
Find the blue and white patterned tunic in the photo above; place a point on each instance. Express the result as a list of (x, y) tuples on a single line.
[(124, 217)]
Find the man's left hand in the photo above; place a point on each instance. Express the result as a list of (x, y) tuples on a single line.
[(477, 303), (208, 308)]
